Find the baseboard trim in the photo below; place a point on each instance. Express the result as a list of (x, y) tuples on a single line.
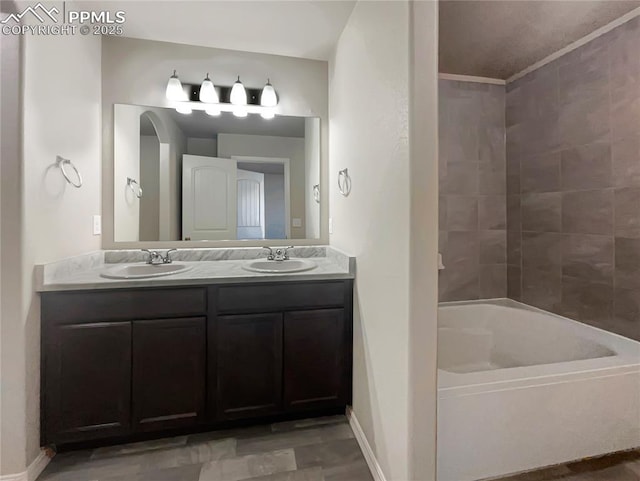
[(365, 447), (33, 471)]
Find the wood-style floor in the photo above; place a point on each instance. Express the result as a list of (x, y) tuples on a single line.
[(321, 449), (616, 467)]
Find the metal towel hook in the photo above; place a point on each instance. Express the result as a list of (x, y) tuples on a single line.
[(137, 190), (60, 162), (344, 182), (316, 193)]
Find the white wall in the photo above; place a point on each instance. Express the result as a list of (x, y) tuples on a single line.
[(13, 433), (204, 147), (126, 145), (141, 79), (268, 146), (127, 151), (312, 176), (56, 218), (150, 182), (383, 225), (423, 293)]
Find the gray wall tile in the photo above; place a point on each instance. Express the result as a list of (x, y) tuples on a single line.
[(473, 186), (540, 173), (588, 212), (587, 167), (626, 161), (576, 163), (588, 257), (627, 212), (541, 212)]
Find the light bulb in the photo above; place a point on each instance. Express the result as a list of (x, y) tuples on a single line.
[(240, 112), (213, 111), (174, 88), (183, 109), (268, 114), (268, 97), (208, 92), (238, 93)]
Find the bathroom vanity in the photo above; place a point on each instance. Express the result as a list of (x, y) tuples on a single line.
[(126, 362)]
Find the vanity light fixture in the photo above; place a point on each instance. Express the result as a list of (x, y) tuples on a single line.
[(214, 100), (183, 109), (174, 88), (240, 112), (238, 93), (268, 97), (268, 114), (208, 92)]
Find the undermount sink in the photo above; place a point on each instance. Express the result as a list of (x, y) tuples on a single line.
[(143, 271), (280, 267)]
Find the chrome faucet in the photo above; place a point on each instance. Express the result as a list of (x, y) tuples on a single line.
[(278, 254), (155, 258)]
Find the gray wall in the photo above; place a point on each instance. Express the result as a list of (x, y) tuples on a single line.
[(573, 150), (472, 170)]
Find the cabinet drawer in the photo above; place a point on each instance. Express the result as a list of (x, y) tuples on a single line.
[(72, 307), (279, 297)]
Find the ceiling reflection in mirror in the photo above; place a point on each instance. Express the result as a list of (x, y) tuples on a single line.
[(197, 177)]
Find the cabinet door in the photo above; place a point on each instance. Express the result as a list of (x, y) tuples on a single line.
[(168, 373), (316, 359), (87, 391), (249, 365)]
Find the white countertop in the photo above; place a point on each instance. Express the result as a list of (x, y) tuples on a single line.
[(199, 273)]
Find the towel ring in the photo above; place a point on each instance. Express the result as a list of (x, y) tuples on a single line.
[(137, 190), (316, 193), (60, 162), (344, 182)]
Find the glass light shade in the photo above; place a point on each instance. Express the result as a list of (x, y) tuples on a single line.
[(184, 109), (174, 88), (268, 97), (213, 111), (238, 93), (208, 92), (268, 114), (240, 112)]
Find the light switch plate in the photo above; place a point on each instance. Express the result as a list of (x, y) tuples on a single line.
[(330, 225), (97, 225), (296, 222)]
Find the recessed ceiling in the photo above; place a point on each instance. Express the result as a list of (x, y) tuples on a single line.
[(301, 28), (497, 39)]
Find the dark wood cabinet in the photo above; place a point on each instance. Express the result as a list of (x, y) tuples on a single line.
[(316, 358), (88, 381), (169, 373), (249, 365), (127, 363)]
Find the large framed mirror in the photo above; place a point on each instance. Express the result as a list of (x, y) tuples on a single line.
[(196, 177)]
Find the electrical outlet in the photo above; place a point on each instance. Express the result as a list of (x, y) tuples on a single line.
[(97, 225), (296, 222)]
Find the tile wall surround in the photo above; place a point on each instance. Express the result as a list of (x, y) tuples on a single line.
[(573, 183), (473, 230)]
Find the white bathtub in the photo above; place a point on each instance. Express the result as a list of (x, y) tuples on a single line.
[(520, 388)]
